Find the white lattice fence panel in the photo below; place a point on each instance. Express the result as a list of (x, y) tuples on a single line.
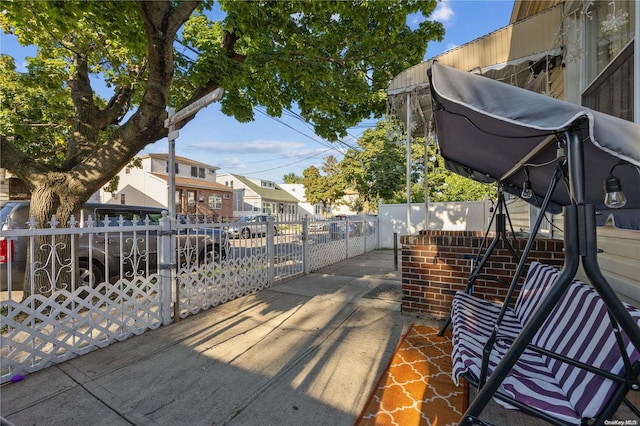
[(287, 251), (203, 287), (372, 241), (356, 246), (326, 253), (44, 330)]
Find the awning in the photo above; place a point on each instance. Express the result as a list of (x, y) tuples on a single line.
[(486, 128)]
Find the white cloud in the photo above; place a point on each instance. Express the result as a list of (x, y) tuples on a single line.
[(253, 147), (234, 162), (443, 12)]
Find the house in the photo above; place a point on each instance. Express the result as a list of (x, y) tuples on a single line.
[(577, 51), (12, 188), (344, 206), (197, 192), (253, 196), (304, 208)]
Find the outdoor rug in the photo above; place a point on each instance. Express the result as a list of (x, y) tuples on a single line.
[(416, 387)]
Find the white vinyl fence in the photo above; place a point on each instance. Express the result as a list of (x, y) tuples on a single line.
[(92, 284), (455, 216)]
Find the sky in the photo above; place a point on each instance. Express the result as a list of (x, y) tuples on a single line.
[(269, 148)]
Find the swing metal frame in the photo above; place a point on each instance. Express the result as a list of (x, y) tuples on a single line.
[(580, 248)]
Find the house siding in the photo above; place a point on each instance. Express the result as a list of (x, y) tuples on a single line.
[(148, 186)]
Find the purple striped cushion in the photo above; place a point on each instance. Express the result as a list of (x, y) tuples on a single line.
[(529, 381), (579, 327), (539, 279), (477, 317)]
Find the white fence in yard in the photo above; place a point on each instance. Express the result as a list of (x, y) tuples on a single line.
[(94, 283), (458, 216)]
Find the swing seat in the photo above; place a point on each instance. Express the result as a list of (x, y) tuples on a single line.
[(578, 328)]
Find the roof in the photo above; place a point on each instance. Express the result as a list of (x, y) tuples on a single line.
[(506, 53), (183, 160), (271, 194), (195, 183)]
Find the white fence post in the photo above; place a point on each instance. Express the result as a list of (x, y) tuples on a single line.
[(346, 238), (270, 236), (364, 233), (305, 245), (166, 267)]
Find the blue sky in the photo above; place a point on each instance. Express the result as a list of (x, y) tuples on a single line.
[(269, 148)]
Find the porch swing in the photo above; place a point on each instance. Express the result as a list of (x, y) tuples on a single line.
[(565, 351)]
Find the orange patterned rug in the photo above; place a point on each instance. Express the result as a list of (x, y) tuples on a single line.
[(416, 388)]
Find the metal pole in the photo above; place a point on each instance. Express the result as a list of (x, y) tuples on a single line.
[(171, 196), (171, 205), (409, 228), (426, 183), (636, 67), (395, 251)]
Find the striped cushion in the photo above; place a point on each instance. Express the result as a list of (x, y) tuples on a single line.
[(474, 318), (578, 327), (539, 279), (529, 381)]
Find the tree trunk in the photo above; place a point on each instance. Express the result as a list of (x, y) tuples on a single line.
[(51, 257)]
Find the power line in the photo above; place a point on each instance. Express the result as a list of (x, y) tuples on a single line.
[(285, 165), (285, 157)]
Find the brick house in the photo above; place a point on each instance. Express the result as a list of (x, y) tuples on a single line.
[(197, 192)]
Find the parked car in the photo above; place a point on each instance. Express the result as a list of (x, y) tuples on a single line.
[(250, 226), (106, 253), (339, 223)]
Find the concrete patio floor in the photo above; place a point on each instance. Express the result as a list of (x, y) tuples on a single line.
[(306, 351)]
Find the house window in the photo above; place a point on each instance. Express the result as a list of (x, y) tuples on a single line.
[(256, 207), (215, 202), (268, 208), (291, 209), (198, 172), (266, 184), (122, 199), (609, 29), (226, 196), (318, 209), (166, 168)]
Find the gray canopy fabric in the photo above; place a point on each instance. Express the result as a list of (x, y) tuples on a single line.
[(486, 128)]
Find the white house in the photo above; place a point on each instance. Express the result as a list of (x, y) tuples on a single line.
[(304, 207), (197, 191), (253, 196)]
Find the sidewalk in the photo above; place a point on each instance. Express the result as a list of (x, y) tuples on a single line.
[(306, 351)]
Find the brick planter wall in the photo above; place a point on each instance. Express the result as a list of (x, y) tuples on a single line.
[(436, 264)]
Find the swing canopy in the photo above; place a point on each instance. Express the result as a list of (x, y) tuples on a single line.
[(491, 131)]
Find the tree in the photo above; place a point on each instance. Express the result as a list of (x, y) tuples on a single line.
[(443, 185), (334, 59), (325, 189), (292, 178), (376, 168)]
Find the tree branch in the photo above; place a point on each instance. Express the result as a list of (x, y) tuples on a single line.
[(22, 165)]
